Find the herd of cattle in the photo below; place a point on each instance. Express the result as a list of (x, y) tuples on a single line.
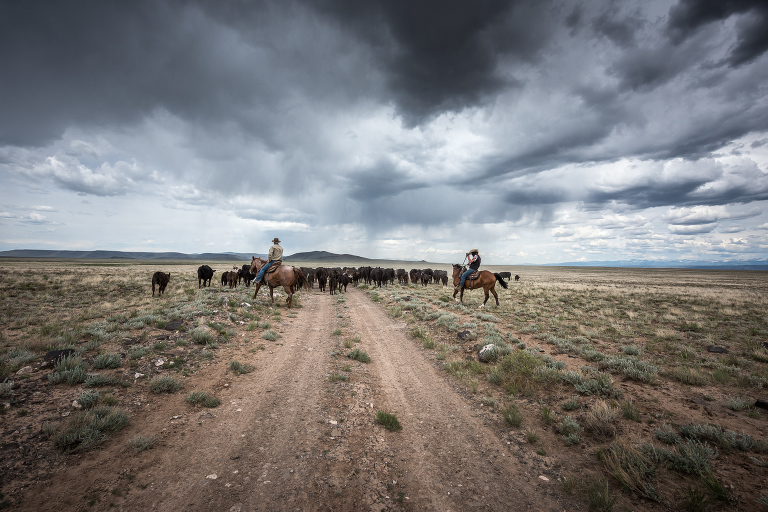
[(333, 279)]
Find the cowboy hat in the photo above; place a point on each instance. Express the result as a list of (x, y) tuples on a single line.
[(472, 250), (276, 240)]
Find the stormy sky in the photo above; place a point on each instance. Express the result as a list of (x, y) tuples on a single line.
[(536, 131)]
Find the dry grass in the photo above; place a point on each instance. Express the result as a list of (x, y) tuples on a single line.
[(616, 337)]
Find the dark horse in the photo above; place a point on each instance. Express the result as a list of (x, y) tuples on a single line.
[(486, 281), (285, 276)]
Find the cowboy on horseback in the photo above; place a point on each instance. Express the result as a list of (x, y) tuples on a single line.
[(474, 264), (275, 254)]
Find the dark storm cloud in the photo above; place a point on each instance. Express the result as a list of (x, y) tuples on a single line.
[(440, 56), (618, 28), (112, 64), (380, 181), (688, 16)]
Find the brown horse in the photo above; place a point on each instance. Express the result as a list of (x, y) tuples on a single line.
[(285, 276), (486, 281)]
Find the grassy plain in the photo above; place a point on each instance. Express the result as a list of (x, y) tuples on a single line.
[(653, 374), (636, 383)]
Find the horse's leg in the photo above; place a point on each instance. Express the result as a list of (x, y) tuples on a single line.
[(495, 296), (257, 285), (271, 296), (485, 290), (289, 290)]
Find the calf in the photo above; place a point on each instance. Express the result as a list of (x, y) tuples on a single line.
[(161, 280)]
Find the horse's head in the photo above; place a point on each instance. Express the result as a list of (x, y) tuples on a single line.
[(457, 269), (256, 264)]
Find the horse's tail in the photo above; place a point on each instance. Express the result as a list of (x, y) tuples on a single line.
[(301, 278), (500, 280)]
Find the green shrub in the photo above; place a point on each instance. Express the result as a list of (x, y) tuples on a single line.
[(389, 421), (241, 368), (359, 355), (202, 398)]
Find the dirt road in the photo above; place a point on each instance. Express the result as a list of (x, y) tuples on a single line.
[(288, 437)]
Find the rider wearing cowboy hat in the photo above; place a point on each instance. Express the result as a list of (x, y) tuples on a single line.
[(474, 263), (275, 254)]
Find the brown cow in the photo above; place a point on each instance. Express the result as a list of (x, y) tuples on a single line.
[(160, 279)]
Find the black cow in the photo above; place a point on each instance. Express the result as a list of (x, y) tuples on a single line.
[(402, 276), (160, 279), (344, 280), (440, 276), (506, 275), (333, 281), (204, 274), (415, 275), (245, 274), (517, 278), (322, 277)]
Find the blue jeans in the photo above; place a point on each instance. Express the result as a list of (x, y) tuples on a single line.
[(263, 271), (464, 277)]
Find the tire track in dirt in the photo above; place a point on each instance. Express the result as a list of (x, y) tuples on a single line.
[(450, 458), (260, 443)]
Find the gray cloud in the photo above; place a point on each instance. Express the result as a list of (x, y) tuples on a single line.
[(371, 121)]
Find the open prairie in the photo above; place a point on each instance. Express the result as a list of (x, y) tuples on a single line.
[(598, 389)]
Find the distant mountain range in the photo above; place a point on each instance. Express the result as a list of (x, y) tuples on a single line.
[(329, 257), (321, 256)]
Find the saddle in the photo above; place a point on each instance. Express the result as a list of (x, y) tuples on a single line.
[(274, 266), (474, 275)]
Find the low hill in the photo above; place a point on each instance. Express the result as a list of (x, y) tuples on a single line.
[(108, 255), (326, 257)]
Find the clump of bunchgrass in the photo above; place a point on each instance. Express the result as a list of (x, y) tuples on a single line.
[(629, 411), (599, 495), (202, 398), (165, 384), (203, 335), (141, 443), (359, 355), (87, 429), (570, 430), (628, 464), (137, 352), (388, 420), (88, 399), (108, 360), (241, 368), (71, 369), (512, 415), (571, 405), (100, 381), (600, 420), (270, 335), (738, 403), (5, 388), (338, 377)]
